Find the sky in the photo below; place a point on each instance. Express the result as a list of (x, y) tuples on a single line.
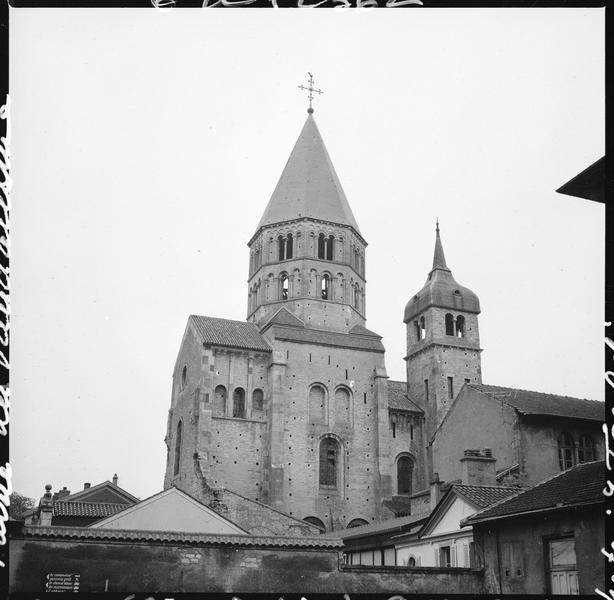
[(146, 145)]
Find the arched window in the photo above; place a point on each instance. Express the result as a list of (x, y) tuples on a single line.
[(342, 405), (330, 247), (284, 286), (281, 246), (325, 287), (238, 403), (315, 521), (460, 326), (289, 246), (449, 324), (356, 523), (405, 468), (586, 449), (219, 401), (566, 458), (184, 376), (178, 448), (329, 460), (321, 244), (422, 328), (412, 561), (257, 400), (317, 403)]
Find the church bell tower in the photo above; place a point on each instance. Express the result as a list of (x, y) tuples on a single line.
[(308, 254), (443, 342)]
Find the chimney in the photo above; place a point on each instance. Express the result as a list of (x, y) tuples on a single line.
[(61, 494), (115, 479), (478, 468), (435, 491), (86, 486), (45, 508)]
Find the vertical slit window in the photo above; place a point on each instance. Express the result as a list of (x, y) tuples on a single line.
[(450, 388)]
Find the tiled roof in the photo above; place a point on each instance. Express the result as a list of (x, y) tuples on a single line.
[(62, 508), (390, 525), (174, 537), (582, 484), (360, 330), (329, 338), (285, 317), (538, 403), (398, 398), (225, 332), (484, 495)]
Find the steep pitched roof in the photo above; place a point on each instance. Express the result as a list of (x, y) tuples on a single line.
[(398, 398), (538, 403), (483, 495), (580, 485), (309, 186), (63, 508), (226, 332)]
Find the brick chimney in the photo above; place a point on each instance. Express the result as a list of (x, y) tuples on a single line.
[(86, 486), (115, 479), (478, 467), (435, 491)]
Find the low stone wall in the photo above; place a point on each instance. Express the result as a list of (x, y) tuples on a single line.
[(216, 565)]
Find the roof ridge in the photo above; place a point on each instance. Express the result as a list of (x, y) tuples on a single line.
[(504, 387)]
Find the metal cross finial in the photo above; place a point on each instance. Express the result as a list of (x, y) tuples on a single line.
[(311, 91)]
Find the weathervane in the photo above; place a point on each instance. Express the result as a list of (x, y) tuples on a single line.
[(311, 91)]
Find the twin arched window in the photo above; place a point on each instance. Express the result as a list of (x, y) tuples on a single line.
[(455, 327), (285, 247), (329, 462), (326, 247)]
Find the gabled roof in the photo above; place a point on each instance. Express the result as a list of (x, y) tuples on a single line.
[(398, 399), (479, 496), (284, 317), (308, 186), (581, 485), (170, 510), (538, 403), (329, 338), (63, 508), (104, 489), (229, 333)]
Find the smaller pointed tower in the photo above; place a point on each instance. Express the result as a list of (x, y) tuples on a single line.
[(443, 342)]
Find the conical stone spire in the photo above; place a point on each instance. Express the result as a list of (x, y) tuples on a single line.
[(309, 186)]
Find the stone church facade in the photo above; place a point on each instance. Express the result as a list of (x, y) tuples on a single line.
[(293, 408)]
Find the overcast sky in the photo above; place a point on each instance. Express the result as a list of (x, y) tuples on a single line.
[(146, 145)]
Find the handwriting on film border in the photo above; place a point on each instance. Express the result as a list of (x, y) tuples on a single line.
[(5, 188), (608, 491), (299, 4)]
